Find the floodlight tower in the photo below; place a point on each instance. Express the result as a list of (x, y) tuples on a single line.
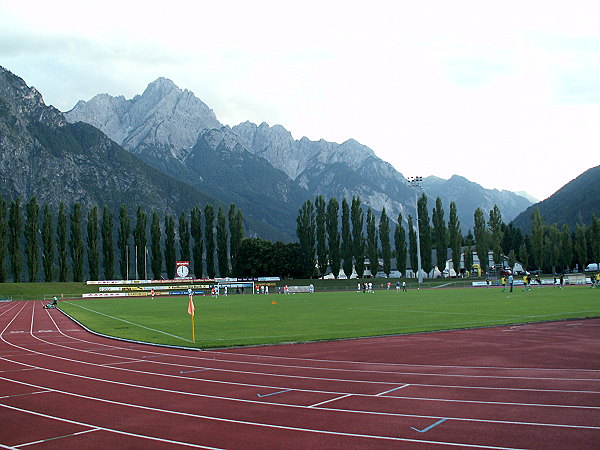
[(415, 183)]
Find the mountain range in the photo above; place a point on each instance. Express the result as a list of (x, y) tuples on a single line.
[(262, 168), (43, 155)]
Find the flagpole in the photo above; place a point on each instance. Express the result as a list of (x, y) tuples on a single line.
[(191, 313), (193, 336)]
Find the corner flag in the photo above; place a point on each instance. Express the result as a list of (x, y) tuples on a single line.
[(191, 307), (191, 313)]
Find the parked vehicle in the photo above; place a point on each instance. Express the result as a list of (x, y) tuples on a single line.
[(591, 267)]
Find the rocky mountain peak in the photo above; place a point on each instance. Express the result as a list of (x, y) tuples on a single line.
[(26, 101), (162, 117)]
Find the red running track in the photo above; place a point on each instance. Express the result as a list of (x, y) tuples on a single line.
[(529, 386)]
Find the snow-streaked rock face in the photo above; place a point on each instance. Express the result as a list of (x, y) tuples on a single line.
[(164, 116)]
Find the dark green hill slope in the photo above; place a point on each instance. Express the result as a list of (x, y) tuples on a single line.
[(574, 203)]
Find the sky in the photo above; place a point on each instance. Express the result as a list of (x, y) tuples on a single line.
[(505, 93)]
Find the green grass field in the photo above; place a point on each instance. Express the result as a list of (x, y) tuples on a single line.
[(253, 319)]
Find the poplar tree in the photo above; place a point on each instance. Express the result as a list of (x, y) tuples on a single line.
[(170, 257), (512, 258), (384, 237), (321, 235), (468, 258), (209, 239), (400, 244), (15, 225), (581, 248), (108, 250), (61, 243), (155, 253), (92, 243), (425, 234), (595, 239), (372, 242), (440, 234), (196, 231), (32, 210), (537, 238), (412, 245), (76, 243), (123, 234), (48, 244), (305, 232), (346, 239), (524, 255), (455, 237), (358, 241), (140, 241), (184, 237), (236, 235), (3, 236), (566, 247), (481, 240), (333, 236), (222, 239), (552, 246), (496, 234)]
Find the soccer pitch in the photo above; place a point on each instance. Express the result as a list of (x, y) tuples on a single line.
[(237, 320)]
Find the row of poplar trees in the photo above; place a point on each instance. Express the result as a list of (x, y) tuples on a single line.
[(324, 244), (63, 247)]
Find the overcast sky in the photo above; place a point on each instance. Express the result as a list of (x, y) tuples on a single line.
[(505, 93)]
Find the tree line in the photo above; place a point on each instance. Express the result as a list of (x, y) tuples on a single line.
[(330, 237), (115, 247), (322, 243)]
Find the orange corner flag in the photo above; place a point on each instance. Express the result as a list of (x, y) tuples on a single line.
[(191, 313)]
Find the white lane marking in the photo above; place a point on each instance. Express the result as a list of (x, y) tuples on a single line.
[(392, 390), (330, 400), (236, 421), (110, 430), (56, 437), (292, 406)]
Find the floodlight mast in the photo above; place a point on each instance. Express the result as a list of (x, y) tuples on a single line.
[(415, 183)]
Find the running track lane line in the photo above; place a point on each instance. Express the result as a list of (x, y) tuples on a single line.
[(233, 371), (41, 441), (113, 365), (110, 430), (376, 413), (235, 421), (113, 347), (321, 368), (330, 400), (315, 368), (430, 426), (49, 342), (369, 371), (339, 393), (274, 393), (392, 390), (329, 409)]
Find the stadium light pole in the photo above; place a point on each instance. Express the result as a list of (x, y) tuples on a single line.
[(415, 183)]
